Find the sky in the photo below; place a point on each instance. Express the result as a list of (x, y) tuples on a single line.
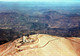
[(42, 0)]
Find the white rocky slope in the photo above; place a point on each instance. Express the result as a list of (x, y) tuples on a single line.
[(43, 45)]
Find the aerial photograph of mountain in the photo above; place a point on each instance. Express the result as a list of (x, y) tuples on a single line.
[(39, 27)]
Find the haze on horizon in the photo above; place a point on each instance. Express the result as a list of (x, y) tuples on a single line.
[(72, 1)]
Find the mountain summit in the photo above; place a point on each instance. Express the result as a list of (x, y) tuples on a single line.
[(42, 45)]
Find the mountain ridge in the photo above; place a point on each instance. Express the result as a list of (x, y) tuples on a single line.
[(46, 45)]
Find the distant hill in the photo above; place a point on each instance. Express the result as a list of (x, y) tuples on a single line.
[(57, 20), (54, 19)]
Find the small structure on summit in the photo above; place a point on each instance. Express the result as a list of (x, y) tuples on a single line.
[(24, 39), (27, 39)]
